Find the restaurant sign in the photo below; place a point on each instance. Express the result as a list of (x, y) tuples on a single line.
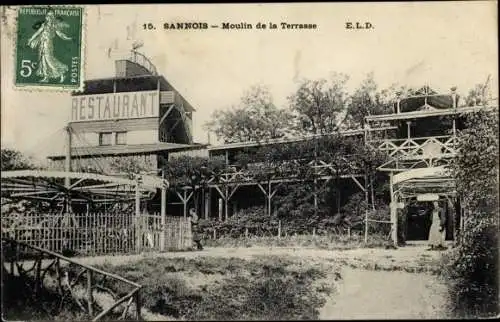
[(113, 106)]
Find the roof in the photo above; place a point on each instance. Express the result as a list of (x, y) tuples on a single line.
[(147, 82), (147, 181), (108, 150), (419, 102), (238, 145), (428, 113)]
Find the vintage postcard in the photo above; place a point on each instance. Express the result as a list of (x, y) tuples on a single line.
[(267, 161)]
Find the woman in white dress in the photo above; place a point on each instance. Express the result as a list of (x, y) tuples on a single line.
[(437, 232), (43, 40)]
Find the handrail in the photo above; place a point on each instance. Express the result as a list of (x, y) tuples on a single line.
[(39, 278), (51, 253), (146, 63), (422, 138)]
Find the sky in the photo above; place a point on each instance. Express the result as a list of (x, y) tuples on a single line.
[(442, 44)]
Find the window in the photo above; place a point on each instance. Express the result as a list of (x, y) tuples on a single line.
[(121, 138), (105, 138)]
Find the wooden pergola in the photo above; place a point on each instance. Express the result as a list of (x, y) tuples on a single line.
[(418, 166)]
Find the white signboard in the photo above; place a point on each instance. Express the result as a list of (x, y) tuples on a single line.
[(427, 197), (113, 106)]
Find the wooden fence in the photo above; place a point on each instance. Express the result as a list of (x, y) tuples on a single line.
[(98, 233), (177, 234)]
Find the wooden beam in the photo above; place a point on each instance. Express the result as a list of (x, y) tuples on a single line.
[(174, 126), (25, 194), (164, 116), (358, 183)]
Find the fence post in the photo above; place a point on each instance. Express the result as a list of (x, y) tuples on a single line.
[(90, 298), (279, 228), (38, 281), (314, 231), (215, 233), (246, 232), (366, 227), (138, 229), (137, 298)]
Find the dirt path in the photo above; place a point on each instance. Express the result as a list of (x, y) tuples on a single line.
[(368, 294), (376, 283), (379, 292)]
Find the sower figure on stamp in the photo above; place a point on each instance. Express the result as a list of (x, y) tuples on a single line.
[(194, 227), (43, 39), (437, 232)]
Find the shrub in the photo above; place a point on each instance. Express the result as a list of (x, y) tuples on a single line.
[(472, 271), (264, 288), (330, 241), (256, 222), (472, 268)]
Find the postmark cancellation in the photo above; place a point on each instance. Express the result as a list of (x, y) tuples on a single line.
[(49, 48)]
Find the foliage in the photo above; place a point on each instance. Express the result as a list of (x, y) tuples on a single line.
[(318, 105), (473, 267), (248, 224), (255, 118), (20, 304), (368, 100), (253, 219), (262, 288), (15, 160), (479, 95), (328, 241), (131, 166), (192, 171)]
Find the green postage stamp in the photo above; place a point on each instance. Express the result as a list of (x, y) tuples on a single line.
[(49, 49)]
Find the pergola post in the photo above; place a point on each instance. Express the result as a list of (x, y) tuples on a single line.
[(219, 209), (366, 209), (184, 203), (226, 208), (394, 211), (207, 195), (269, 197)]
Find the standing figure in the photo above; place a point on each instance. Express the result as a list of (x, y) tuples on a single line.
[(43, 39), (194, 228), (437, 232)]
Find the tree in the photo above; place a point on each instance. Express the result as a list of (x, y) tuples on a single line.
[(368, 100), (255, 118), (15, 160), (318, 105), (479, 95), (131, 167)]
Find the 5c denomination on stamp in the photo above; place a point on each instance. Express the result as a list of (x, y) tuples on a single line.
[(49, 47)]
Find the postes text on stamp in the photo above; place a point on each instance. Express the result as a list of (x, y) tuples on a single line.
[(49, 51)]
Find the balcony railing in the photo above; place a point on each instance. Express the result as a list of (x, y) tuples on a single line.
[(142, 60), (420, 148)]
